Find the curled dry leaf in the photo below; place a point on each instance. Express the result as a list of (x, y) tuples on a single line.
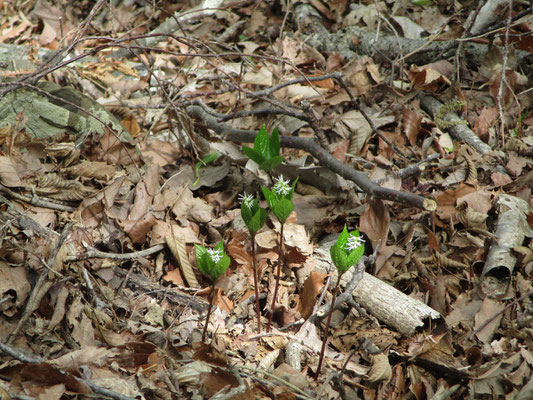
[(380, 369), (312, 287), (179, 251), (375, 220), (411, 125)]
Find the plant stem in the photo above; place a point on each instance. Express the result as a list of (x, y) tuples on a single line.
[(256, 287), (280, 263), (322, 351), (211, 297)]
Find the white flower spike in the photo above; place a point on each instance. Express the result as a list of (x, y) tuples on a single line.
[(215, 255), (282, 186), (246, 199), (354, 242)]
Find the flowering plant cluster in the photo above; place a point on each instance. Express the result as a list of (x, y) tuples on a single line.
[(213, 263), (345, 253)]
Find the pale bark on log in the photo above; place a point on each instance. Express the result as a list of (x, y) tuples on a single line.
[(392, 307), (511, 229), (458, 130), (389, 47), (389, 305)]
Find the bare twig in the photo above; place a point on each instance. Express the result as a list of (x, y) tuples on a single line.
[(503, 78), (36, 201), (91, 252), (415, 169)]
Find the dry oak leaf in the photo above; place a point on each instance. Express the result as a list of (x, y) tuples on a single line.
[(380, 369)]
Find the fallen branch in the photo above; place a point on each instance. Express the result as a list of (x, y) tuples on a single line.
[(326, 159), (457, 127)]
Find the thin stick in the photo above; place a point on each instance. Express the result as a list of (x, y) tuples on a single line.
[(280, 262), (323, 349), (211, 297), (258, 311)]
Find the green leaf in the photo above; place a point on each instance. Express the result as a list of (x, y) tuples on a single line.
[(269, 196), (201, 254), (289, 196), (202, 163), (220, 267), (270, 164), (355, 255), (246, 213), (207, 265), (338, 256), (282, 209), (274, 145), (262, 142), (338, 253), (257, 221), (253, 154), (343, 258)]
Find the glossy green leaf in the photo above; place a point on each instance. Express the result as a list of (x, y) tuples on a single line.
[(342, 257), (257, 221), (208, 265), (282, 209), (269, 196), (262, 142), (270, 164), (274, 145), (253, 155), (266, 150)]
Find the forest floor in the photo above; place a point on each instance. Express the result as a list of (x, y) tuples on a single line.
[(410, 123)]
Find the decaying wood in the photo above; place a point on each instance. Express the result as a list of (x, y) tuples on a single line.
[(458, 129), (511, 229), (378, 298), (393, 307), (354, 41)]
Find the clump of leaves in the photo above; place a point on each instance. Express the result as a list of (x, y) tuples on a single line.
[(345, 253), (213, 263), (254, 217), (279, 200), (266, 150)]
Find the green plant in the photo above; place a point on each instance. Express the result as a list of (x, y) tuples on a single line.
[(202, 163), (266, 150), (345, 253), (254, 217), (279, 200), (213, 263)]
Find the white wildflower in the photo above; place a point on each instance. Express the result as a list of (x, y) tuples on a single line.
[(215, 255), (246, 199), (282, 186), (354, 242)]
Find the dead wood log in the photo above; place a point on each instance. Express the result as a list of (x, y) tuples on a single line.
[(354, 40), (458, 129), (511, 229)]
